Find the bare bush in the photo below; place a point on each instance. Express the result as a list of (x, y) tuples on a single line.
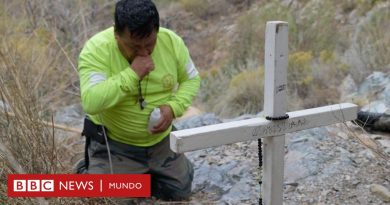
[(245, 94), (370, 49), (36, 72)]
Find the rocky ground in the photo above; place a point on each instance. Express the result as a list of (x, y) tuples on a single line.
[(338, 164), (325, 165)]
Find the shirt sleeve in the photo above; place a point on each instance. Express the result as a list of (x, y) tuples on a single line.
[(99, 90), (188, 79)]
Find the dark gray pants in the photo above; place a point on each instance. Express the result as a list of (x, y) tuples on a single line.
[(171, 173)]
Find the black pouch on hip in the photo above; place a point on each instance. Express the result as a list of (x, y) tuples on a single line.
[(93, 131)]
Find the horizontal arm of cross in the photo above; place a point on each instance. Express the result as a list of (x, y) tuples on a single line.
[(255, 128)]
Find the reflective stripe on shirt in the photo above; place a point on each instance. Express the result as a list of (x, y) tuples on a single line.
[(191, 70)]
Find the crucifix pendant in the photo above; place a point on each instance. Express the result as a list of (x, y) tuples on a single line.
[(142, 103)]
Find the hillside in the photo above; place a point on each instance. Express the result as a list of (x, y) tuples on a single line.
[(328, 40), (333, 47)]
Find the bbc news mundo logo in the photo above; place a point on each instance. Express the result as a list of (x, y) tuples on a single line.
[(33, 185), (79, 185)]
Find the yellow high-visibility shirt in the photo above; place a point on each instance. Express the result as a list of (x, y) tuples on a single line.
[(109, 87)]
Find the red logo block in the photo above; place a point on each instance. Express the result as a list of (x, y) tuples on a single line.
[(79, 185)]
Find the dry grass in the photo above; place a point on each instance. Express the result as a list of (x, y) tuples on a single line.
[(320, 30), (37, 73), (363, 137), (27, 145), (40, 42), (245, 94), (370, 50)]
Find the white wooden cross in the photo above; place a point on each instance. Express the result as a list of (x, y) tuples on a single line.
[(273, 131)]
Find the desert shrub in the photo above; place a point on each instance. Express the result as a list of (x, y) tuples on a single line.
[(317, 30), (213, 84), (248, 45), (208, 9), (244, 94), (299, 75), (371, 44), (162, 4), (199, 8), (364, 6), (28, 146), (314, 80), (35, 73), (331, 67), (246, 54), (318, 39)]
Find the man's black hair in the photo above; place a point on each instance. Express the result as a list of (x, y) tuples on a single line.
[(140, 17)]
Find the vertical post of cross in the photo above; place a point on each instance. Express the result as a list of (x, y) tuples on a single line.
[(275, 91)]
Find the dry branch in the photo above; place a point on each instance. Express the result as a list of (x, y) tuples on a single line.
[(50, 124)]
